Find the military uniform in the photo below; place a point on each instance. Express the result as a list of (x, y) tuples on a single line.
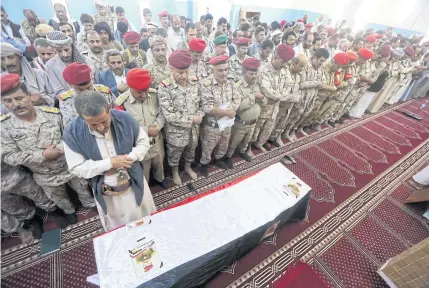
[(158, 72), (215, 95), (23, 144), (352, 73), (67, 102), (199, 69), (263, 61), (132, 61), (148, 113), (16, 184), (274, 87), (235, 67), (247, 114), (182, 46), (97, 59), (179, 106), (110, 19)]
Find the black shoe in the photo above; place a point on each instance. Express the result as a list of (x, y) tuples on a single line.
[(71, 218), (274, 143), (221, 164), (245, 157), (164, 184), (37, 224), (229, 163), (203, 171), (266, 146), (60, 218)]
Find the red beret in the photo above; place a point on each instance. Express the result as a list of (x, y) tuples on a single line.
[(386, 50), (352, 55), (331, 31), (180, 59), (197, 45), (283, 23), (370, 38), (163, 14), (299, 21), (9, 82), (285, 52), (132, 37), (77, 73), (251, 64), (341, 59), (409, 51), (309, 25), (365, 53), (218, 60), (241, 41), (139, 79)]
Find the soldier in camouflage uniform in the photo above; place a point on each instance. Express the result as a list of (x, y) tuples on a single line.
[(235, 61), (190, 33), (219, 99), (180, 101), (248, 112), (265, 54), (103, 15), (220, 47), (159, 70), (198, 67), (274, 79), (141, 102), (31, 137), (134, 57), (78, 75), (95, 51)]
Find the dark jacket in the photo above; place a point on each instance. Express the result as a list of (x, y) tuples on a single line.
[(108, 79)]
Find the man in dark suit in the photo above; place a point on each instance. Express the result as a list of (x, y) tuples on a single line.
[(114, 78)]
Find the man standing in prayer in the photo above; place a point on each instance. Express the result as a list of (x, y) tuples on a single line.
[(61, 16), (114, 77), (369, 42), (13, 30), (107, 40), (104, 16), (236, 61), (220, 47), (198, 67), (357, 44), (248, 112), (78, 76), (159, 70), (264, 55), (134, 57), (219, 99), (95, 51), (45, 52), (107, 146), (31, 137), (163, 19), (305, 46), (88, 25), (257, 45), (276, 37), (222, 25), (175, 32), (190, 33), (208, 27), (29, 24), (141, 102), (332, 45), (145, 44), (180, 101), (36, 80)]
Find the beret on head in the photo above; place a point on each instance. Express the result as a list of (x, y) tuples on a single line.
[(299, 21), (139, 79), (163, 14), (251, 64), (285, 52), (352, 55), (331, 31), (221, 39), (197, 45), (180, 59), (9, 82), (386, 50), (365, 53), (241, 41), (309, 25), (132, 37), (77, 73), (370, 38), (218, 60), (341, 59), (283, 23), (409, 51)]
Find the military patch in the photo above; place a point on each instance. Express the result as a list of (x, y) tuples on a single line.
[(51, 110), (121, 99), (238, 83), (207, 82), (4, 117), (102, 88), (66, 95), (166, 82), (152, 90), (193, 78)]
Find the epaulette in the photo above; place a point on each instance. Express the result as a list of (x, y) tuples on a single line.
[(193, 78), (121, 99), (102, 88), (51, 110), (4, 117), (238, 83), (152, 90), (66, 95), (230, 77), (207, 82), (166, 82)]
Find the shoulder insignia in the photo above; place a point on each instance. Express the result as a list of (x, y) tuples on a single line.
[(152, 90), (51, 110), (193, 78), (121, 99), (66, 95), (166, 82), (230, 77), (207, 82), (238, 83), (102, 88), (4, 117)]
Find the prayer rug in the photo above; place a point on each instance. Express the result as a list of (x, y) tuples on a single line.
[(358, 172)]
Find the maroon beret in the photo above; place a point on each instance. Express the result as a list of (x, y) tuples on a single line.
[(139, 79), (218, 60), (197, 45), (386, 51), (241, 41), (409, 51), (132, 37), (9, 82), (341, 59), (251, 64), (370, 38), (365, 53), (309, 25), (77, 73), (180, 59), (163, 14), (285, 52)]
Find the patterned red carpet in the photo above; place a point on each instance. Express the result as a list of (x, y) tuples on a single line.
[(359, 173)]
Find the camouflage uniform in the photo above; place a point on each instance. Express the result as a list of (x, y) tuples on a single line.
[(182, 46), (263, 61), (97, 59), (132, 61), (235, 67), (67, 102), (247, 114), (275, 86), (348, 95), (199, 69), (16, 184), (110, 19), (214, 95), (158, 72), (148, 113), (23, 144), (179, 106)]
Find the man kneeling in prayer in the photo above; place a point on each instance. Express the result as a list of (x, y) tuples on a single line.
[(108, 147)]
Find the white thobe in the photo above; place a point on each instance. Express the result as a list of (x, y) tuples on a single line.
[(121, 209)]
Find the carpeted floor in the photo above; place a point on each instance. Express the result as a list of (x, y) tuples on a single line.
[(355, 221)]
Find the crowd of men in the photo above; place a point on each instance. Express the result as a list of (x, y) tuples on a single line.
[(64, 90)]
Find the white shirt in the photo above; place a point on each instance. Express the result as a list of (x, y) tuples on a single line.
[(89, 168), (21, 32), (174, 39), (120, 79)]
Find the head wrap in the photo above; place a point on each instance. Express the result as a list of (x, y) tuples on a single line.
[(77, 73), (158, 40), (409, 51), (163, 14), (139, 79), (275, 33), (365, 53), (241, 41), (285, 52), (9, 82), (180, 59), (352, 55), (221, 39), (218, 60), (151, 26), (197, 45), (370, 38), (132, 37), (251, 64), (43, 29), (60, 40), (386, 50), (341, 59)]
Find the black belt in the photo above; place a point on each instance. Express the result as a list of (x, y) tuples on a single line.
[(242, 122), (211, 124)]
